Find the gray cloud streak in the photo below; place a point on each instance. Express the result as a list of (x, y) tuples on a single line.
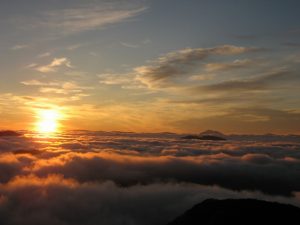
[(182, 62)]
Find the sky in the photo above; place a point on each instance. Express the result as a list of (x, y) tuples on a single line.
[(151, 66)]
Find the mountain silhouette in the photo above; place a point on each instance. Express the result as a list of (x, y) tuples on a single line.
[(205, 137), (239, 211), (212, 133)]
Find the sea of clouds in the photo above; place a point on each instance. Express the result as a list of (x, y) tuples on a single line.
[(115, 178)]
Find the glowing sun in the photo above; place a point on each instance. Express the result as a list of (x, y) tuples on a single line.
[(48, 120)]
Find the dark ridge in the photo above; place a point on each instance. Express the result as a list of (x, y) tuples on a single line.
[(204, 137), (4, 133), (239, 211), (213, 133), (190, 137), (212, 138)]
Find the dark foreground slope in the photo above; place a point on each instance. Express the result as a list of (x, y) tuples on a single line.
[(239, 211)]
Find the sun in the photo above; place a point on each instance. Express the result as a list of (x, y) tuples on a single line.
[(48, 120)]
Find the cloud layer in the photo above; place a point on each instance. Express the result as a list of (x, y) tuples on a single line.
[(131, 178)]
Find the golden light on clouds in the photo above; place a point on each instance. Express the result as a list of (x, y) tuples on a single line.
[(48, 120)]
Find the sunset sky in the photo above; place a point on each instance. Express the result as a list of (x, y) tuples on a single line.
[(131, 112), (151, 65)]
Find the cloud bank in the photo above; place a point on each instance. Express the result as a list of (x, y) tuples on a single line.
[(132, 178)]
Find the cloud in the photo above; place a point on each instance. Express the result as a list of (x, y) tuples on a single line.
[(55, 200), (205, 168), (216, 100), (246, 120), (53, 90), (65, 88), (32, 65), (130, 45), (89, 16), (45, 54), (182, 62), (19, 47), (91, 177), (236, 64), (72, 89), (151, 158), (234, 85), (39, 83), (202, 77), (263, 82), (113, 79), (126, 81), (291, 44), (52, 67), (205, 71), (125, 44), (75, 46)]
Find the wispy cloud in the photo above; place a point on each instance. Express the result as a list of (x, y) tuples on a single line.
[(19, 47), (182, 62), (260, 83), (126, 81), (217, 79), (236, 64), (202, 77), (71, 89), (89, 16), (59, 90), (248, 119), (52, 67), (75, 46), (129, 45), (135, 45), (38, 83), (45, 54), (180, 65), (113, 78)]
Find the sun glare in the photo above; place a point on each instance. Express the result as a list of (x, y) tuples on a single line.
[(48, 120)]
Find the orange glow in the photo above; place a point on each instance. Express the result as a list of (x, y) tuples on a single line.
[(48, 120)]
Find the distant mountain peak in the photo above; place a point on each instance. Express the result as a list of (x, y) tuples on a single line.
[(204, 137), (212, 133)]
